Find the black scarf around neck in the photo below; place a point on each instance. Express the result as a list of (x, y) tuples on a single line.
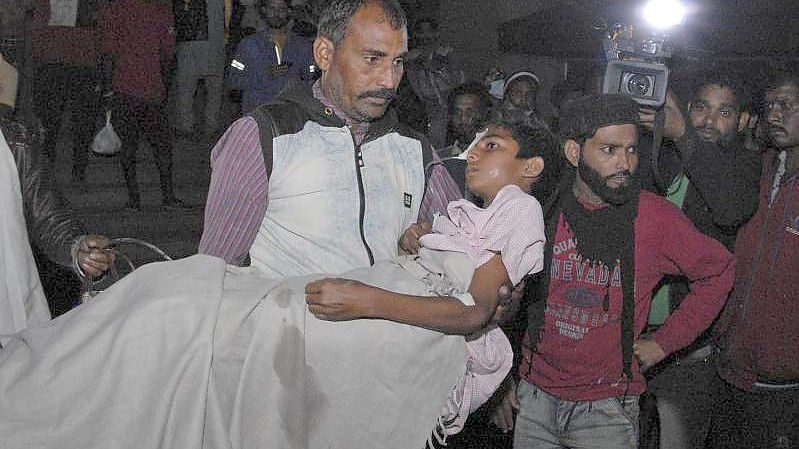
[(605, 236)]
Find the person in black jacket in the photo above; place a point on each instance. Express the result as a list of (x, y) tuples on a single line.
[(50, 224), (713, 178)]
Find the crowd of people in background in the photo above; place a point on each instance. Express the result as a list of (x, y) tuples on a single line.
[(664, 314)]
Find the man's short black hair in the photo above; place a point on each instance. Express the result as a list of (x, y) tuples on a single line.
[(729, 79), (471, 88), (334, 21)]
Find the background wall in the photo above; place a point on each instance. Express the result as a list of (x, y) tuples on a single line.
[(471, 28)]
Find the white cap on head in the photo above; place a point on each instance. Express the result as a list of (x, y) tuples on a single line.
[(519, 75)]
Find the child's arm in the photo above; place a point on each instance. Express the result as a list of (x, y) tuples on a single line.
[(341, 299)]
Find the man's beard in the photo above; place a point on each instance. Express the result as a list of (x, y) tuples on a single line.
[(599, 184), (711, 134), (464, 134)]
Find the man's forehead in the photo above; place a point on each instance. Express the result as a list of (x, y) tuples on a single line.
[(716, 93), (624, 132), (373, 18)]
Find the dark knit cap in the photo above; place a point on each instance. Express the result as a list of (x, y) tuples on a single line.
[(581, 117)]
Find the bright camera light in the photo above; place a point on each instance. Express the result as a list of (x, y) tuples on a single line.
[(663, 14)]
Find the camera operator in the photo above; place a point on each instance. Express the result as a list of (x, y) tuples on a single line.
[(713, 178)]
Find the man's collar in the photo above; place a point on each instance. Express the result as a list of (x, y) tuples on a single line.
[(320, 95)]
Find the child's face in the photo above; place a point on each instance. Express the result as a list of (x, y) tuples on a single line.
[(492, 164)]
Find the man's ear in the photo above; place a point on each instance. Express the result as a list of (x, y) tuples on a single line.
[(743, 121), (571, 149), (533, 167), (323, 49)]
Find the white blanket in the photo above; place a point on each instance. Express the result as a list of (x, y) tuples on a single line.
[(22, 300), (195, 354)]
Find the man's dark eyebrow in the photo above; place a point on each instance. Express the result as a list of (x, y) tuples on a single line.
[(374, 52), (382, 54), (618, 144)]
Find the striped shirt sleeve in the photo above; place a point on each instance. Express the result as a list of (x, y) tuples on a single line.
[(441, 189), (237, 196)]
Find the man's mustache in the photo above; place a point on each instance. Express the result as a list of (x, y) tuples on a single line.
[(385, 94)]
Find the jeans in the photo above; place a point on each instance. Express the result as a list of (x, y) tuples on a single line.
[(545, 421)]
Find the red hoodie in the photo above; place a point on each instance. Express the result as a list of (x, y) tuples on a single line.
[(578, 356), (759, 326)]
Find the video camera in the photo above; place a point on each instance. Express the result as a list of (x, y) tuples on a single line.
[(636, 64)]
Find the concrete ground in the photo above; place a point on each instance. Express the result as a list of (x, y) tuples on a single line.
[(99, 201)]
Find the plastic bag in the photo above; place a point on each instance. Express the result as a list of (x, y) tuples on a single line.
[(106, 141)]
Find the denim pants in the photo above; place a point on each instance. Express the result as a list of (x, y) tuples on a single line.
[(545, 421), (687, 393)]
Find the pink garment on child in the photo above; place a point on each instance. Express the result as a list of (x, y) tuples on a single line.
[(512, 225)]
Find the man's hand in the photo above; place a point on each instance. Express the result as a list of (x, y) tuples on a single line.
[(752, 141), (409, 243), (505, 405), (336, 299), (648, 352), (508, 300), (674, 126), (95, 255)]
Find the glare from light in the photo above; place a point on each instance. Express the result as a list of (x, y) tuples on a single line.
[(663, 14)]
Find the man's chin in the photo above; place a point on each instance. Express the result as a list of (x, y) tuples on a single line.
[(618, 196), (370, 112)]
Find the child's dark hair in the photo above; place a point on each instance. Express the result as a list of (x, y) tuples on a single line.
[(536, 141)]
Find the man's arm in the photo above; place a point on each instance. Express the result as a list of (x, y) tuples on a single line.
[(166, 51), (710, 270), (441, 189), (726, 178), (51, 225), (243, 68), (237, 195)]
